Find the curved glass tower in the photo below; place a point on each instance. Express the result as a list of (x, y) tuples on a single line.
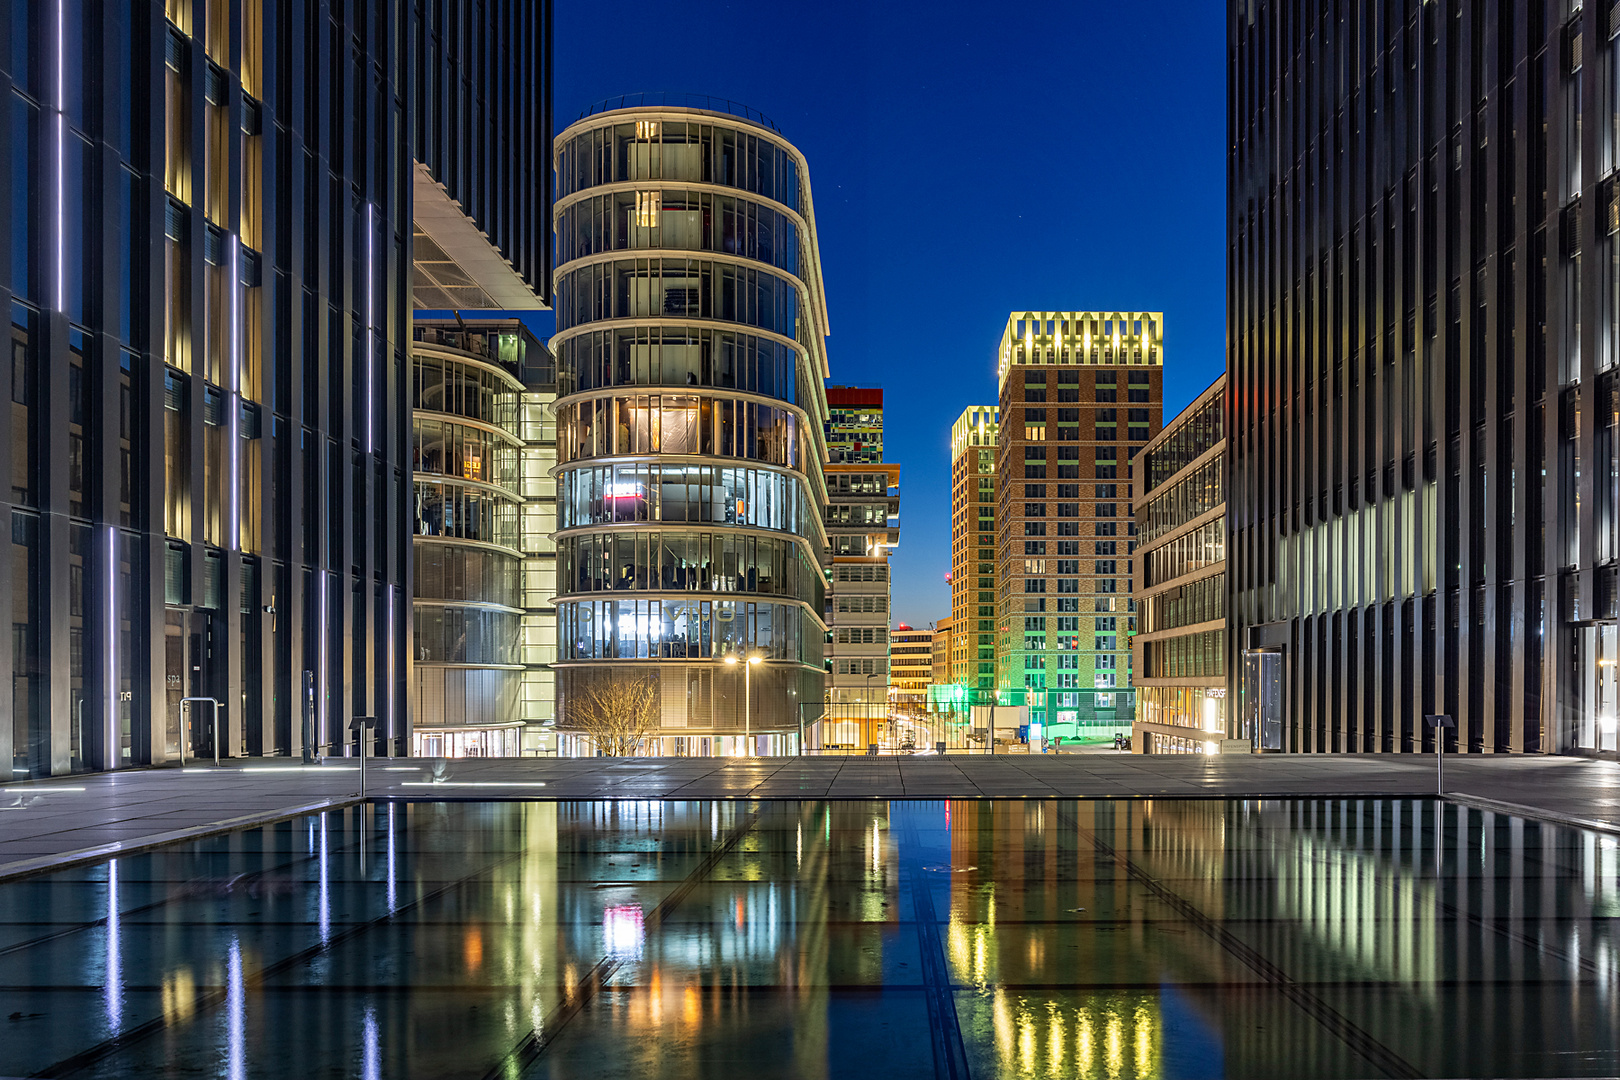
[(690, 426)]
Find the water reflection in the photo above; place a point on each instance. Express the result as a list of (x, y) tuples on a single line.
[(1119, 940)]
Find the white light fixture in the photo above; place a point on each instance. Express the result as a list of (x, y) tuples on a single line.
[(112, 733)]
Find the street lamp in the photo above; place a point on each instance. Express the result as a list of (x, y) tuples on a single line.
[(748, 700)]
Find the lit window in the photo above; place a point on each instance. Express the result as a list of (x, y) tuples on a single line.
[(648, 204), (646, 130)]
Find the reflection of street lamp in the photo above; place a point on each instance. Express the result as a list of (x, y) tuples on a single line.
[(748, 721)]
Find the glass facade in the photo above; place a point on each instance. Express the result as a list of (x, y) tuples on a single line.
[(1424, 472), (207, 441), (1180, 649), (483, 449), (689, 380)]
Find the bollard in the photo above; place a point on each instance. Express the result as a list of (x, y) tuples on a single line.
[(1440, 722)]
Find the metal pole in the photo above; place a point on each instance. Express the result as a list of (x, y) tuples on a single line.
[(748, 706), (362, 766), (801, 729), (216, 734), (1440, 760)]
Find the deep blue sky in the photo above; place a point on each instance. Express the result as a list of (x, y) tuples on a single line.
[(966, 160)]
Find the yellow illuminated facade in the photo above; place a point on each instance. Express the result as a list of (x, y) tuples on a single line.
[(973, 539)]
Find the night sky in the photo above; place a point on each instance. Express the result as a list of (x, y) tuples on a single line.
[(966, 160)]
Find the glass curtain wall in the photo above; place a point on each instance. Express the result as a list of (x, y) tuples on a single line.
[(689, 394)]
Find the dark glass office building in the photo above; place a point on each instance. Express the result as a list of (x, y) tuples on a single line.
[(206, 257), (1423, 336)]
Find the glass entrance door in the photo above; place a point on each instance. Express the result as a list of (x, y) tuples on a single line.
[(1597, 721)]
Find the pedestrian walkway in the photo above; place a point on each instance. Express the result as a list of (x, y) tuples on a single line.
[(49, 823)]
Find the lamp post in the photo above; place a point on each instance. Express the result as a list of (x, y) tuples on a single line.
[(748, 700)]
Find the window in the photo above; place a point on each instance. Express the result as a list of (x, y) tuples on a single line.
[(1034, 491), (1138, 395), (1105, 566)]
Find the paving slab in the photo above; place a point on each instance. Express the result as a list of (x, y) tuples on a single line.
[(47, 824)]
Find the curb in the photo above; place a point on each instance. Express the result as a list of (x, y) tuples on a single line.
[(42, 864), (1519, 810)]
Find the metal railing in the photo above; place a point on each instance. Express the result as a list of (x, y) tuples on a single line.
[(184, 727)]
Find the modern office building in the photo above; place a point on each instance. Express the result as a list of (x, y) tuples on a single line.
[(863, 527), (481, 129), (940, 675), (483, 506), (973, 552), (911, 663), (1179, 651), (1081, 394), (207, 263), (1423, 327), (690, 347)]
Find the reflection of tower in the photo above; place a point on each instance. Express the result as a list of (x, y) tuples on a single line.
[(690, 348)]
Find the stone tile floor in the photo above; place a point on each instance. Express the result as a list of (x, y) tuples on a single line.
[(57, 822)]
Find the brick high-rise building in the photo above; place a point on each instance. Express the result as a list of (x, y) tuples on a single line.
[(1081, 392)]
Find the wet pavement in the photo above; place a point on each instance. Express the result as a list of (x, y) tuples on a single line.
[(819, 938)]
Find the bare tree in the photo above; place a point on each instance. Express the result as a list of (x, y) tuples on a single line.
[(616, 714)]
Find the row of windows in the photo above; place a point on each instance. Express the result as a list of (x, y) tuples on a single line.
[(1199, 601), (1072, 491), (679, 289), (1100, 415), (1072, 510), (1199, 492), (1192, 436), (862, 604), (1072, 528), (860, 572), (758, 498), (443, 384), (680, 424), (680, 220), (1201, 547), (689, 151), (1193, 656), (1036, 431), (454, 635), (677, 356), (673, 561), (1035, 392), (463, 451), (686, 630), (861, 635)]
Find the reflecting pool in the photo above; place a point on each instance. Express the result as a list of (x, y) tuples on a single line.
[(1330, 938)]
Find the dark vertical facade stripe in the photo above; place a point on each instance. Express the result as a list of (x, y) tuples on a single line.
[(1422, 342), (330, 80)]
